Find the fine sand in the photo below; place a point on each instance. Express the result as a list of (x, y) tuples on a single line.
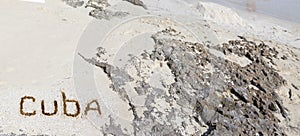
[(40, 47)]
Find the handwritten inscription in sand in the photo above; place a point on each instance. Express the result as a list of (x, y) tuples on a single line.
[(93, 105)]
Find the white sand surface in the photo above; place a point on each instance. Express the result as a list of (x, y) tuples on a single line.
[(40, 42)]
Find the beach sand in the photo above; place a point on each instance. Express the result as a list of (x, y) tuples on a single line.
[(41, 43)]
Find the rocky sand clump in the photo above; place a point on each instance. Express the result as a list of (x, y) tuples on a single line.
[(99, 8), (206, 91)]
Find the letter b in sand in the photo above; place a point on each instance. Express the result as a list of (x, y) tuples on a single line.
[(65, 100)]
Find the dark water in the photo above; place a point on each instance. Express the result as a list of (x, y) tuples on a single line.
[(282, 9)]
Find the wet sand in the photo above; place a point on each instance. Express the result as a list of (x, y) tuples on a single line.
[(282, 9)]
